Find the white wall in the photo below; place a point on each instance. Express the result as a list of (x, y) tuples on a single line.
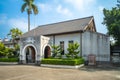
[(66, 38), (92, 43), (97, 44), (44, 41)]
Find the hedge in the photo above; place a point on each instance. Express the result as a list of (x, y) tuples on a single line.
[(63, 61), (8, 59)]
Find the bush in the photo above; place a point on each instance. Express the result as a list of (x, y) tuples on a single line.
[(73, 50), (63, 61), (56, 51), (8, 59)]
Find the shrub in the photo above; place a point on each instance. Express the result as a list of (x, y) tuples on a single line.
[(8, 59), (73, 50), (63, 61), (56, 51)]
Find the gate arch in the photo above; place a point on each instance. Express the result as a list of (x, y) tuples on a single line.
[(30, 53), (46, 51)]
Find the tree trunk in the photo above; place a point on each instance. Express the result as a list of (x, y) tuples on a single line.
[(28, 22)]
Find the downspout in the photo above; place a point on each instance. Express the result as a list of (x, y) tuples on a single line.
[(81, 43), (53, 43), (53, 39)]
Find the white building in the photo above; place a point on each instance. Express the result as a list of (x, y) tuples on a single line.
[(36, 44), (8, 43)]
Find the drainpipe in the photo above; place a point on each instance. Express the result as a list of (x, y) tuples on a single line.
[(53, 39), (81, 43)]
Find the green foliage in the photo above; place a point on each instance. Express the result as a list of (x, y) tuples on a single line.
[(17, 47), (11, 53), (73, 50), (56, 50), (6, 52), (3, 50), (16, 50), (15, 33), (112, 21), (63, 61), (29, 6), (8, 59)]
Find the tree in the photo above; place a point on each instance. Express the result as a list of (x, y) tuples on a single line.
[(73, 50), (2, 48), (112, 21), (30, 7), (15, 33), (56, 51), (4, 51), (118, 5)]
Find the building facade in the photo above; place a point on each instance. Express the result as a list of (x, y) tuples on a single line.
[(36, 44), (9, 43)]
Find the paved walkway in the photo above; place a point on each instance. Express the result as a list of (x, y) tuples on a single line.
[(31, 72)]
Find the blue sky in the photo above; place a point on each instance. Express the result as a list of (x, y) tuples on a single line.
[(51, 11)]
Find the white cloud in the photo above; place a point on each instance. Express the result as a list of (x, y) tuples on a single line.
[(3, 18), (63, 11), (44, 7), (20, 23), (81, 4)]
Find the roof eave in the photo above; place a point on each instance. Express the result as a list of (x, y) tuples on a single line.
[(79, 31)]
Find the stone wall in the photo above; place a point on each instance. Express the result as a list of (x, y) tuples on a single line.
[(97, 44), (38, 43), (29, 41)]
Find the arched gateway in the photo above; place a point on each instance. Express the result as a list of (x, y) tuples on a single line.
[(33, 49), (29, 53)]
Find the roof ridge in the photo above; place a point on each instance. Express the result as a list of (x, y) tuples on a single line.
[(65, 21)]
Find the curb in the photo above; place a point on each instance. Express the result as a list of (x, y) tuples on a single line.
[(8, 63), (62, 66)]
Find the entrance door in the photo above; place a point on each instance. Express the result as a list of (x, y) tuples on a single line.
[(30, 54), (47, 52)]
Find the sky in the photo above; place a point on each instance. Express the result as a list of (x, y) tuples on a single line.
[(51, 11)]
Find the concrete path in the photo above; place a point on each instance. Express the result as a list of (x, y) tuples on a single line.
[(31, 72)]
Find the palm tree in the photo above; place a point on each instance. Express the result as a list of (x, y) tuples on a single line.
[(30, 7)]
